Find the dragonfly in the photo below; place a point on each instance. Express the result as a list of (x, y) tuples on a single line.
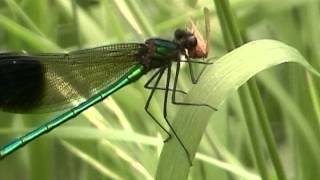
[(51, 82)]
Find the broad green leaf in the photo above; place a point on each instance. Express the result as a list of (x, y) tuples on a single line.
[(220, 80)]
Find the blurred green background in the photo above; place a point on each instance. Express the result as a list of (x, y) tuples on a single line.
[(116, 139)]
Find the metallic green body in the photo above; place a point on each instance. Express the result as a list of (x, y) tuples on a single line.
[(157, 53), (165, 50), (135, 73)]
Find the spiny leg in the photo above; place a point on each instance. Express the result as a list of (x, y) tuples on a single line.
[(147, 85), (165, 114), (174, 101), (194, 79), (146, 107)]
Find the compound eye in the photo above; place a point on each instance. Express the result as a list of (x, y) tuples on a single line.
[(179, 34), (191, 42)]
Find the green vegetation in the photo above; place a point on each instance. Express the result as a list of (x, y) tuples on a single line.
[(267, 129)]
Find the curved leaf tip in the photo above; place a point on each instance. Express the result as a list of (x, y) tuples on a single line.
[(217, 83)]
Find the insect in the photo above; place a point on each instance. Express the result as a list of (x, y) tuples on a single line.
[(53, 81)]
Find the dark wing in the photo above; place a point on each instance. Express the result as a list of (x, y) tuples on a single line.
[(51, 82)]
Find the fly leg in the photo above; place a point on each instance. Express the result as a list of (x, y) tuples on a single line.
[(194, 80)]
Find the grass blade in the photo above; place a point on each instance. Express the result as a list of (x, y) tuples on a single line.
[(221, 80)]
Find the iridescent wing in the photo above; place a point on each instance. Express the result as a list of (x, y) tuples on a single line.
[(52, 82)]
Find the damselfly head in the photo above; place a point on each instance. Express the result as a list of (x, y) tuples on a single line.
[(201, 49), (185, 39), (192, 40)]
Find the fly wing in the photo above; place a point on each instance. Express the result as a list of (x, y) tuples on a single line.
[(52, 82), (201, 50)]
